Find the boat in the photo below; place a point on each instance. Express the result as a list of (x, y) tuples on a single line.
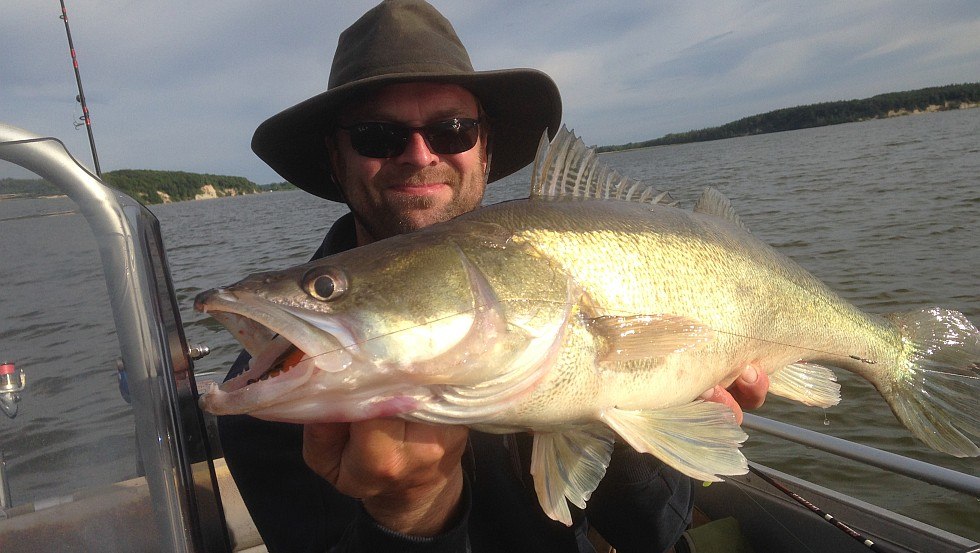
[(183, 499)]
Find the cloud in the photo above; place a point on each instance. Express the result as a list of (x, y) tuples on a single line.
[(182, 84)]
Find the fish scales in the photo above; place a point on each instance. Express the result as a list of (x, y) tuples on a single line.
[(681, 266), (583, 321)]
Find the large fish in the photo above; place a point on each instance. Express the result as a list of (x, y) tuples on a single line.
[(589, 311)]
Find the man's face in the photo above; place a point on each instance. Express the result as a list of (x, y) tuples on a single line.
[(418, 187)]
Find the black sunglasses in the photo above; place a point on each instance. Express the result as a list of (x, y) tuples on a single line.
[(384, 140)]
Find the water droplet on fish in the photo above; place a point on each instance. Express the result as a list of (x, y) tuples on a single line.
[(826, 421)]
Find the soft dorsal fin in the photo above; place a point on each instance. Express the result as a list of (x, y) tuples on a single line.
[(567, 168), (713, 202)]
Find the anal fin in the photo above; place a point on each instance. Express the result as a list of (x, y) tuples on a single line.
[(700, 439), (808, 383), (569, 465)]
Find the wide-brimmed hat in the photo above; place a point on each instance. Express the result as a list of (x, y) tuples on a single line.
[(407, 41)]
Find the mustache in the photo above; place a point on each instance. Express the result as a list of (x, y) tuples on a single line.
[(424, 176)]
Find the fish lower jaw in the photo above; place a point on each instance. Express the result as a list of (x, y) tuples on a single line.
[(303, 408), (241, 396)]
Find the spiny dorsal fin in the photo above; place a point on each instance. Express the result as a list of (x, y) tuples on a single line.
[(713, 202), (567, 168)]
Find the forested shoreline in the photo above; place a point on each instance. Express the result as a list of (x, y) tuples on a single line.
[(153, 187), (937, 98)]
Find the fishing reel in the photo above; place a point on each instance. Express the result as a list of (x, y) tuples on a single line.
[(12, 383)]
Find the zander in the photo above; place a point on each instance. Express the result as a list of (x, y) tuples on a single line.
[(591, 310)]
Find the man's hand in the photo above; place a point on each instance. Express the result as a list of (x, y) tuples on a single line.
[(408, 475), (747, 392)]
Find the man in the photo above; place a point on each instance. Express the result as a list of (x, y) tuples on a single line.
[(408, 135)]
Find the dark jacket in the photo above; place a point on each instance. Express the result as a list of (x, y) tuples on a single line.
[(640, 505)]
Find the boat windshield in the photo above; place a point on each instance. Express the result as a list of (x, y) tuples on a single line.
[(101, 446)]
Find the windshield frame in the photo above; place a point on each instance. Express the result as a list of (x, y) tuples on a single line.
[(170, 428)]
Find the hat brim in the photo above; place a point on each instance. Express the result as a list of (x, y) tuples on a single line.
[(521, 104)]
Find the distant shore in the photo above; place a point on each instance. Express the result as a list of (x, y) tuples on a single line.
[(892, 104), (161, 187), (150, 187), (932, 109)]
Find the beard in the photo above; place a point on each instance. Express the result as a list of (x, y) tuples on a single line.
[(401, 214)]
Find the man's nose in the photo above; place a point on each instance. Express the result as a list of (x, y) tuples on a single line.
[(417, 151)]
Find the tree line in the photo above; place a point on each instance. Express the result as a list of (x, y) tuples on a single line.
[(822, 114), (147, 186), (276, 186), (27, 187)]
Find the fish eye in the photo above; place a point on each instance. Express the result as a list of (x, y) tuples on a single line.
[(325, 283)]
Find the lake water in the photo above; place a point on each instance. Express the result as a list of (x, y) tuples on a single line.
[(885, 212)]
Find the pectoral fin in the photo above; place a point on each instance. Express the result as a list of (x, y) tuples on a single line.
[(700, 439), (569, 465), (808, 383), (635, 337)]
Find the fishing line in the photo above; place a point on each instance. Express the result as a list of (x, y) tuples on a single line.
[(948, 373), (619, 313), (854, 534), (627, 313), (739, 485)]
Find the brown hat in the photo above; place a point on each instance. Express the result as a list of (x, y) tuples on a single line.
[(407, 41)]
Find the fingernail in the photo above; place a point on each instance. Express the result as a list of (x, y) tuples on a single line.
[(749, 375)]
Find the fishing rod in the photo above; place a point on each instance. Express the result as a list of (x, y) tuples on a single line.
[(878, 546), (81, 94)]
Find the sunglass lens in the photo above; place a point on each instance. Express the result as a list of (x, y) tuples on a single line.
[(452, 137), (379, 140), (385, 140)]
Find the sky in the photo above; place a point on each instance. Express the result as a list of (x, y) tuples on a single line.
[(182, 84)]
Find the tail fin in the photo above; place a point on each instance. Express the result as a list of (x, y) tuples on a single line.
[(937, 393)]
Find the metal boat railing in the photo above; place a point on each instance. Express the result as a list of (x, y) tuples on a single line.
[(939, 476)]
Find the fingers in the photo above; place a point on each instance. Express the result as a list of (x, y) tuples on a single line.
[(748, 391), (408, 475), (367, 457), (394, 452), (750, 388), (359, 459), (323, 447), (721, 395)]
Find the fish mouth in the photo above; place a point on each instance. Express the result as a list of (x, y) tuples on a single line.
[(286, 350), (286, 360)]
